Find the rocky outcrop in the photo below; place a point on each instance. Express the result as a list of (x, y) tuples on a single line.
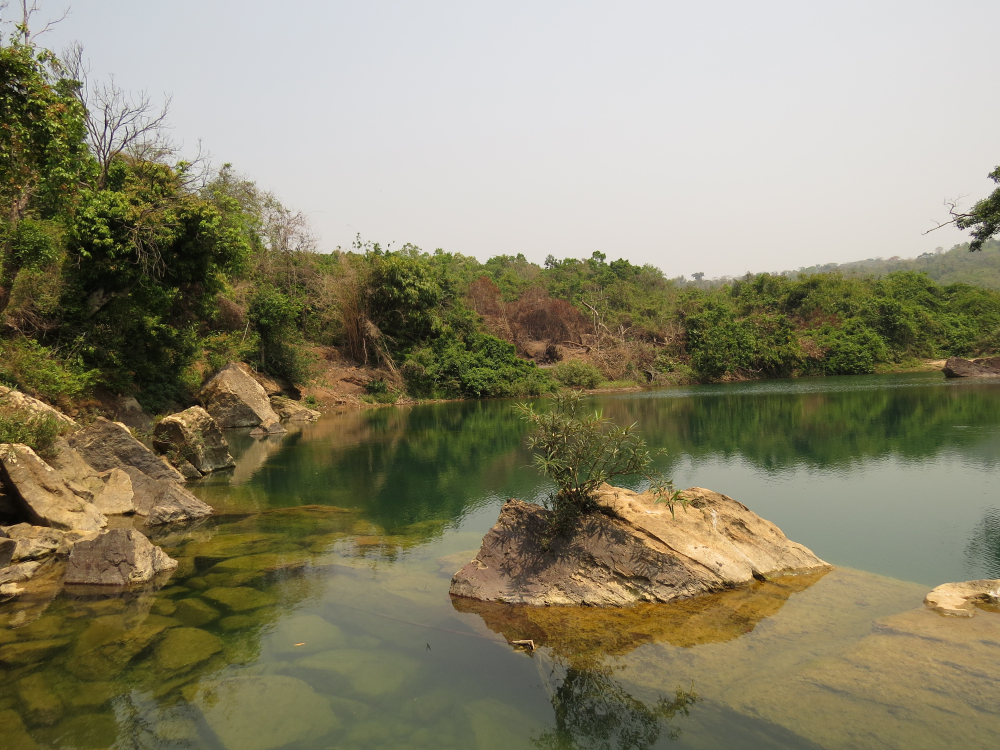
[(15, 400), (130, 413), (7, 547), (293, 411), (192, 435), (107, 445), (37, 542), (120, 557), (164, 502), (960, 599), (116, 497), (956, 367), (42, 492), (109, 491), (235, 399), (634, 551)]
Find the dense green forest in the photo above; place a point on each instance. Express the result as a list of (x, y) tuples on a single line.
[(127, 269)]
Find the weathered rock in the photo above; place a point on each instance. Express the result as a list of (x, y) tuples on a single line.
[(7, 547), (164, 501), (130, 413), (19, 573), (993, 362), (107, 445), (263, 712), (635, 553), (274, 386), (959, 599), (187, 470), (119, 557), (293, 411), (15, 400), (116, 497), (35, 542), (235, 399), (43, 494), (956, 367), (79, 476), (194, 436)]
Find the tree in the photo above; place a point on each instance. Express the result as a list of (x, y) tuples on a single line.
[(42, 152), (983, 219), (581, 451)]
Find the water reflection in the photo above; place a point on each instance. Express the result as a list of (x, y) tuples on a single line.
[(983, 550)]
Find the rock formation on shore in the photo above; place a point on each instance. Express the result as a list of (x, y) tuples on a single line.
[(986, 367), (235, 399), (960, 599), (195, 438), (633, 551)]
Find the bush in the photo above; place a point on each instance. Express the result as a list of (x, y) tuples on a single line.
[(38, 431), (377, 391), (578, 374), (581, 451), (38, 371), (854, 349)]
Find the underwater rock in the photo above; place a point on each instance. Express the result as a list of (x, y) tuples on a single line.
[(182, 648), (110, 643), (306, 634), (119, 557), (109, 445), (195, 437), (42, 706), (371, 673), (43, 493), (959, 599), (957, 367), (13, 734), (235, 399), (263, 712), (240, 598), (636, 552), (30, 652), (195, 612)]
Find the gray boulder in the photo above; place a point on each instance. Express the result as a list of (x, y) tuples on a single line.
[(130, 413), (235, 399), (163, 501), (119, 557), (7, 547), (79, 476), (43, 494), (193, 435), (116, 497), (107, 445), (956, 367), (293, 411), (36, 542), (635, 552)]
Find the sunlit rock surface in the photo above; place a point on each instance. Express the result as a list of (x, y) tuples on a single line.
[(639, 552), (960, 599)]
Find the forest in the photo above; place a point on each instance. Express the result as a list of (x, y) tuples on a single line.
[(126, 268)]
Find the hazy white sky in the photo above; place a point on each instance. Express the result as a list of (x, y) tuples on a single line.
[(718, 137)]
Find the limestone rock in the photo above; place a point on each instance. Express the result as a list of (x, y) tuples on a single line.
[(293, 411), (80, 476), (959, 599), (35, 542), (19, 573), (635, 553), (42, 492), (107, 445), (164, 501), (13, 399), (956, 367), (263, 712), (195, 436), (235, 399), (116, 496), (116, 558), (130, 413)]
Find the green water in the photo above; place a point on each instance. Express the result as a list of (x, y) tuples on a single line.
[(313, 612)]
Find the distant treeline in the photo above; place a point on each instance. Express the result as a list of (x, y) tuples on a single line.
[(126, 269)]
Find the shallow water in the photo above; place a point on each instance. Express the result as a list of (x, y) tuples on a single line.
[(312, 611)]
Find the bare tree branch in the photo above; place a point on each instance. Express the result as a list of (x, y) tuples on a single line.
[(952, 205)]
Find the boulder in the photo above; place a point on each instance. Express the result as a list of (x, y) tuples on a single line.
[(7, 548), (960, 599), (116, 497), (130, 413), (79, 476), (43, 494), (235, 399), (956, 367), (36, 542), (993, 362), (107, 445), (15, 400), (163, 501), (118, 557), (195, 437), (293, 411), (634, 551)]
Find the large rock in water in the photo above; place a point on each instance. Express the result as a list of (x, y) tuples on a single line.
[(119, 557), (164, 502), (956, 367), (195, 436), (293, 411), (235, 399), (960, 599), (635, 552), (43, 494), (109, 445)]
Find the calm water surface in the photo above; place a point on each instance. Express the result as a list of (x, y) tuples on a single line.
[(313, 610)]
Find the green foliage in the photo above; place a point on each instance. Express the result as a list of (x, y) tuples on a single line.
[(30, 367), (575, 373), (38, 431), (580, 451), (984, 218)]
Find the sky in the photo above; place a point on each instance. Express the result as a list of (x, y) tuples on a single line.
[(719, 137)]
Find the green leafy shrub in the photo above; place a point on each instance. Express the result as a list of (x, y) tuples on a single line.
[(582, 450), (377, 391), (853, 349), (38, 431), (575, 373), (41, 372)]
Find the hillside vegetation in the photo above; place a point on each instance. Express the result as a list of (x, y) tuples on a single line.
[(125, 269)]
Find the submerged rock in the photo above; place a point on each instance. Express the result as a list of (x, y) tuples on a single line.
[(634, 552), (235, 399), (196, 438), (43, 493), (182, 648), (957, 367), (119, 557), (960, 599)]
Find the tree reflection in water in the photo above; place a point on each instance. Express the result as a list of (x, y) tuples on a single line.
[(594, 711), (983, 549)]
